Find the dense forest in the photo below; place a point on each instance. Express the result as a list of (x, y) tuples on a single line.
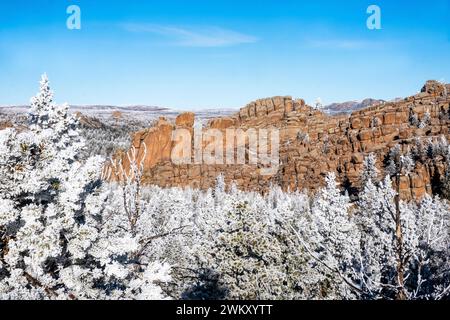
[(68, 233)]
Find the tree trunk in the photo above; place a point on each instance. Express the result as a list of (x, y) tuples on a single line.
[(401, 295)]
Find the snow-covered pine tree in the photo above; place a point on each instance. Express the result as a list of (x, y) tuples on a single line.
[(335, 238), (426, 120), (51, 214), (54, 201), (251, 258), (374, 217), (426, 236), (370, 171), (392, 160)]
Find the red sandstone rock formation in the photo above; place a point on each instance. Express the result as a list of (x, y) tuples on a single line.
[(185, 120), (311, 143)]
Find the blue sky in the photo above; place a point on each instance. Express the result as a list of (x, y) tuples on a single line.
[(221, 53)]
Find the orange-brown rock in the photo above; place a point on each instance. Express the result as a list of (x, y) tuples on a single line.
[(186, 119), (221, 123), (88, 122), (5, 124), (434, 88), (117, 115), (155, 143), (311, 143)]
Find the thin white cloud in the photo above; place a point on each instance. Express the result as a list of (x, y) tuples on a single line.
[(193, 37)]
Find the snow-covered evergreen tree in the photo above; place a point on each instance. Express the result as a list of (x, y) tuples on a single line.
[(376, 208), (335, 237), (250, 257), (393, 159), (380, 249), (67, 234), (370, 171), (51, 216), (426, 120)]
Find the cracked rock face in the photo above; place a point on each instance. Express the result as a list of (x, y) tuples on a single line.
[(311, 144)]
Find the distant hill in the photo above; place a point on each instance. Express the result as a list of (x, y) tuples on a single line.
[(143, 112), (350, 106), (137, 112)]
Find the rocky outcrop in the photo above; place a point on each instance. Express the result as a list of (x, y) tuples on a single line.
[(155, 143), (6, 124), (311, 143), (88, 122), (435, 88), (185, 120), (222, 123)]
